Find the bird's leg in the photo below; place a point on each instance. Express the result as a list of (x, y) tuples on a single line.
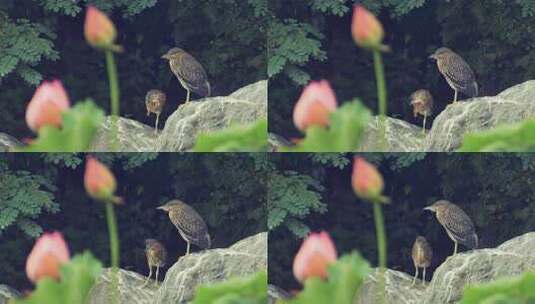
[(424, 276), (187, 251), (425, 118), (157, 119), (455, 250), (455, 97), (148, 113), (187, 97), (148, 278), (158, 271), (415, 275)]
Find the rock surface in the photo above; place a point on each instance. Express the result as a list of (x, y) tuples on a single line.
[(8, 143), (477, 266), (399, 289), (244, 106), (241, 259), (401, 136), (275, 293), (133, 137), (276, 141), (7, 293), (131, 288)]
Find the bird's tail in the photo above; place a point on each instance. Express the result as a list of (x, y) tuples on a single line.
[(205, 242), (472, 90), (472, 241)]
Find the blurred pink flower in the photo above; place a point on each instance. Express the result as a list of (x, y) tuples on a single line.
[(366, 29), (99, 31), (366, 180), (48, 254), (48, 103), (315, 105), (315, 254), (99, 182)]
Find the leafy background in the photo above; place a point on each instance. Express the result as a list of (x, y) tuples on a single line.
[(44, 192), (312, 40), (43, 39), (312, 192)]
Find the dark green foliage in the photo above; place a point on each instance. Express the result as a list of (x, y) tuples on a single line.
[(498, 48), (495, 190), (43, 39), (228, 190)]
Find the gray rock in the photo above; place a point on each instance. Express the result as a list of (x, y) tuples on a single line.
[(478, 114), (7, 293), (131, 289), (276, 141), (275, 293), (214, 265), (244, 106), (478, 266), (401, 136), (8, 143), (133, 137), (399, 289)]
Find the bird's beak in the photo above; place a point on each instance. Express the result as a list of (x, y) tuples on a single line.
[(432, 57), (165, 57), (161, 208), (430, 208)]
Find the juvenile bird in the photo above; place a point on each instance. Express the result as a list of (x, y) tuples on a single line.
[(458, 225), (457, 72), (422, 103), (155, 101), (189, 72), (189, 223), (422, 254), (156, 257)]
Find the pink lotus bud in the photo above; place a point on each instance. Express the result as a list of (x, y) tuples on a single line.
[(98, 29), (366, 29), (99, 182), (366, 180), (315, 254), (48, 254), (49, 101), (315, 105)]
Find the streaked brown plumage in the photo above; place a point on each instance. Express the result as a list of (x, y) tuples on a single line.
[(422, 254), (422, 103), (458, 225), (189, 72), (457, 72), (155, 101), (189, 223), (156, 257)]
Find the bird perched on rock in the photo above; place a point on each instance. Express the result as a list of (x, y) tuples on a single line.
[(422, 103), (421, 256), (457, 72), (189, 72), (155, 101), (189, 223), (156, 256), (458, 225)]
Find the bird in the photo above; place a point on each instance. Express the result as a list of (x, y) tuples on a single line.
[(156, 257), (421, 256), (189, 72), (155, 101), (457, 72), (189, 223), (422, 103), (458, 225)]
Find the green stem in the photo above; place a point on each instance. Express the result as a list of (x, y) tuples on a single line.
[(114, 250), (381, 93), (114, 97), (381, 246)]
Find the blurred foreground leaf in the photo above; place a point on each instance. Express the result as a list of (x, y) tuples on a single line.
[(516, 138), (251, 290), (518, 290), (252, 138), (345, 278), (344, 134), (77, 278), (80, 125)]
